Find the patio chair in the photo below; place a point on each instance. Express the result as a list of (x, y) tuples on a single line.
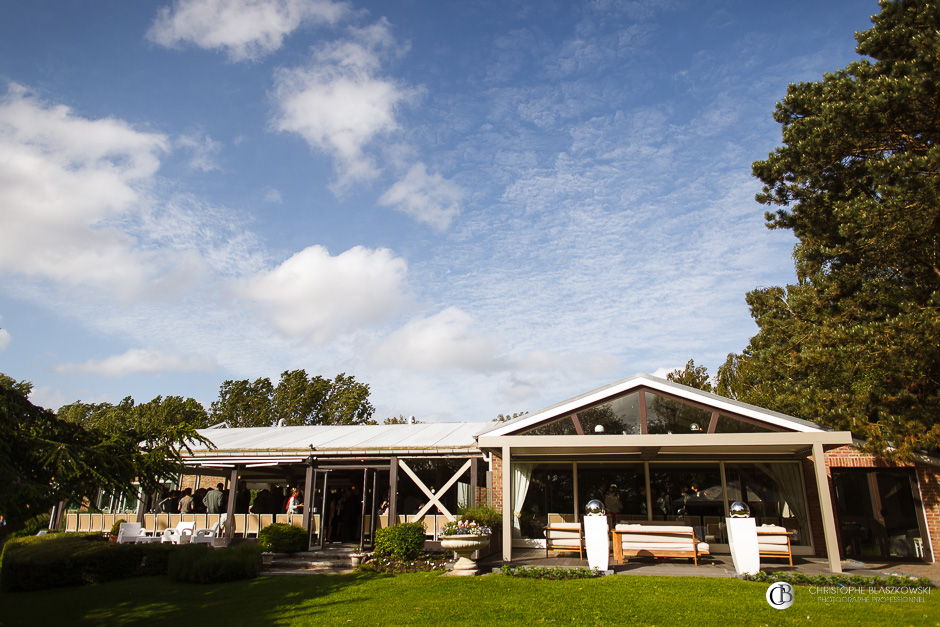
[(564, 536), (774, 541), (129, 533), (180, 534), (207, 535)]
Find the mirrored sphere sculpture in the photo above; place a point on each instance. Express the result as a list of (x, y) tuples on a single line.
[(740, 510), (595, 508)]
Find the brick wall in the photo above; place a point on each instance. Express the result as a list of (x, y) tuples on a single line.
[(497, 481), (928, 479)]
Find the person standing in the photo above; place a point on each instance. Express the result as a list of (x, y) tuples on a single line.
[(186, 502), (213, 500)]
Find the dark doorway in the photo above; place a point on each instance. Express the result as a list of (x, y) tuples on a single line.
[(877, 512), (347, 498)]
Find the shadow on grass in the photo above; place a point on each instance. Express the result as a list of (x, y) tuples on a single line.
[(157, 600)]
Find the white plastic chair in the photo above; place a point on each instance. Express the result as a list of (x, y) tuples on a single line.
[(205, 536), (132, 532), (181, 534)]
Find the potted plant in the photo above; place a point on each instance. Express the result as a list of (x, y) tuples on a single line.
[(115, 529), (464, 537)]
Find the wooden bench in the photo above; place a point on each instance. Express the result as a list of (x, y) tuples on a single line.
[(564, 536), (774, 541), (656, 541)]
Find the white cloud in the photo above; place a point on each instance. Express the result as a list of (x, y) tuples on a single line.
[(339, 104), (428, 198), (137, 361), (446, 340), (244, 29), (5, 339), (66, 182), (316, 296), (203, 151), (272, 196)]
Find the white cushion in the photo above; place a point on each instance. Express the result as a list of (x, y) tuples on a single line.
[(564, 542), (771, 528), (781, 540), (655, 528)]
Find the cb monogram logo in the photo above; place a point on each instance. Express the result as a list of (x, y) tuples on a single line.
[(780, 595)]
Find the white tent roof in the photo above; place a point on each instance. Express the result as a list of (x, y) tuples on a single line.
[(451, 435)]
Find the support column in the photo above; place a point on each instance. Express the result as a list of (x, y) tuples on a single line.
[(230, 506), (825, 508), (393, 491), (141, 506), (507, 505), (309, 489), (474, 470), (649, 491)]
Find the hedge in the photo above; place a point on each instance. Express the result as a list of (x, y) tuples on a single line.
[(197, 563), (404, 541), (281, 538), (51, 561)]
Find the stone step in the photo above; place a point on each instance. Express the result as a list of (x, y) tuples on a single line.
[(306, 571)]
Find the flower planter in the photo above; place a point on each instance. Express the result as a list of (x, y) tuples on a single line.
[(464, 546)]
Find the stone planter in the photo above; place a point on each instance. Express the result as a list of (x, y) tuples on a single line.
[(464, 546)]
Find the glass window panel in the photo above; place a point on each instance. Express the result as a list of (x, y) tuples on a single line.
[(667, 415), (620, 416), (557, 427), (550, 491), (774, 492), (690, 493), (620, 487), (727, 424)]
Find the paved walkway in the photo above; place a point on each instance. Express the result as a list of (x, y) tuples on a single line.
[(721, 566)]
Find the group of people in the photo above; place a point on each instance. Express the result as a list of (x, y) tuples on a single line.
[(214, 500)]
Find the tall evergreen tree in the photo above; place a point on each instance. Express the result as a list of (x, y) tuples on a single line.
[(855, 342)]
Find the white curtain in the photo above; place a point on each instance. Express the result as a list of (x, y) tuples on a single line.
[(521, 474), (790, 487)]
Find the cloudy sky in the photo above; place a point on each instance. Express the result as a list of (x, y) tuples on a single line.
[(476, 207)]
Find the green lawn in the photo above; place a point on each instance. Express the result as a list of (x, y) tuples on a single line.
[(425, 598)]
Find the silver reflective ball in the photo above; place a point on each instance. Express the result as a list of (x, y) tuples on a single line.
[(595, 508), (740, 510)]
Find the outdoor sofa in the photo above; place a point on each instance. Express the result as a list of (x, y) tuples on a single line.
[(774, 541), (645, 540)]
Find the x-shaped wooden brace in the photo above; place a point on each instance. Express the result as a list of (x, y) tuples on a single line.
[(433, 498)]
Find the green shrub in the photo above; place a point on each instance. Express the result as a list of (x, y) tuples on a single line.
[(50, 561), (32, 526), (281, 538), (549, 572), (198, 563), (483, 514), (116, 527), (403, 541)]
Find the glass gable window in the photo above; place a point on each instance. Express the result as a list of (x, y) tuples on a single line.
[(620, 416), (726, 424), (664, 415), (667, 415)]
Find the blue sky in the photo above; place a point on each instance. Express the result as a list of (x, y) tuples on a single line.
[(475, 207)]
